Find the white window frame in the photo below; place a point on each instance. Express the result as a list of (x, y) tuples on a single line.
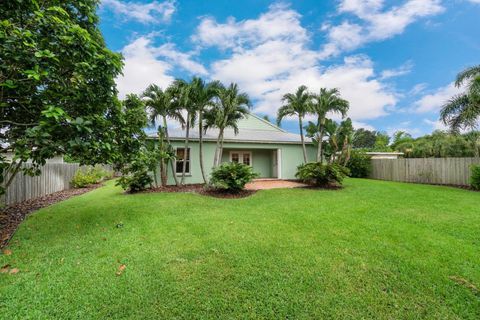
[(240, 156), (187, 172)]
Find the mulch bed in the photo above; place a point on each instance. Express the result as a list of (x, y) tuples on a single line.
[(13, 215), (327, 187), (200, 189)]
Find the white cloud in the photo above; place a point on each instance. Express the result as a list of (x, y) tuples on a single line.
[(436, 124), (278, 23), (270, 56), (433, 102), (152, 12), (404, 69), (366, 126), (418, 88), (374, 23), (146, 64), (474, 1)]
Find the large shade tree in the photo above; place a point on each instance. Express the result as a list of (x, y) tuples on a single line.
[(231, 107), (296, 104), (463, 110), (325, 102), (57, 86)]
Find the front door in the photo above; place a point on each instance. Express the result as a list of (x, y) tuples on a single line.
[(244, 157)]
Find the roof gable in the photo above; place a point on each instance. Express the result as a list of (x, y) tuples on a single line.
[(253, 122)]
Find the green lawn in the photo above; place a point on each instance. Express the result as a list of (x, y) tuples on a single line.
[(372, 250)]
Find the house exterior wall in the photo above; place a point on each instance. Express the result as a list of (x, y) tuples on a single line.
[(262, 158)]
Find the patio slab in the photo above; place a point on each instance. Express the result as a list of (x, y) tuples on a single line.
[(265, 184)]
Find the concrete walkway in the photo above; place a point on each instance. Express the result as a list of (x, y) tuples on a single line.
[(264, 184)]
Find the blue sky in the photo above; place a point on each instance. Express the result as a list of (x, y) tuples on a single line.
[(395, 61)]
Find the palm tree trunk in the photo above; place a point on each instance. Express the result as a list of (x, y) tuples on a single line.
[(303, 140), (320, 141), (161, 147), (185, 150), (200, 145), (172, 164), (217, 150), (220, 150)]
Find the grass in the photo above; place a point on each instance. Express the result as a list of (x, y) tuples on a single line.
[(372, 250)]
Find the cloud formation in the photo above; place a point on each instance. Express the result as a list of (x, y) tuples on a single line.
[(152, 12), (433, 102), (146, 63), (374, 23), (270, 56)]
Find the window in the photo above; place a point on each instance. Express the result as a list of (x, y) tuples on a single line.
[(244, 157), (179, 161), (235, 157)]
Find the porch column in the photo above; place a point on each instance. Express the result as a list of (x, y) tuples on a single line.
[(279, 163)]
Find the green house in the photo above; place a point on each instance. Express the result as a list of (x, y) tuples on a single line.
[(272, 152)]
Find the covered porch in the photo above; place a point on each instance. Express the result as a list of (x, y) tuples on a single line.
[(265, 162)]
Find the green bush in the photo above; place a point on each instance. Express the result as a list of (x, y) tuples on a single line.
[(85, 177), (136, 181), (232, 177), (320, 174), (475, 178), (136, 175), (359, 164)]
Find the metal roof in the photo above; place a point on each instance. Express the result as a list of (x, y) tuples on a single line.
[(252, 129)]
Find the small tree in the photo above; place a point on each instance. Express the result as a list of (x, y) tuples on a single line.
[(160, 107), (127, 124), (296, 104), (231, 108), (327, 101)]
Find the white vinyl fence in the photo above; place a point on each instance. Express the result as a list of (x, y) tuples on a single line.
[(55, 177), (453, 171)]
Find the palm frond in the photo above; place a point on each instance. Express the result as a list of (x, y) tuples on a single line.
[(467, 74)]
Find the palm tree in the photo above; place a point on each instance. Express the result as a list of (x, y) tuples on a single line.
[(463, 110), (183, 100), (159, 104), (327, 101), (203, 94), (230, 108), (296, 104)]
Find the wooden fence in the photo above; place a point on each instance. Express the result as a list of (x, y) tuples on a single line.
[(454, 171), (55, 177)]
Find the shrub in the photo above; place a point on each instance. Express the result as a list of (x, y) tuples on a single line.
[(359, 164), (320, 174), (136, 181), (135, 176), (475, 178), (87, 176), (232, 177)]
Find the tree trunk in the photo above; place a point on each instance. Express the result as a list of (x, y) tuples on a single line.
[(217, 150), (155, 175), (345, 152), (320, 141), (200, 145), (305, 160), (13, 174), (172, 164), (220, 150), (162, 164), (185, 151)]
